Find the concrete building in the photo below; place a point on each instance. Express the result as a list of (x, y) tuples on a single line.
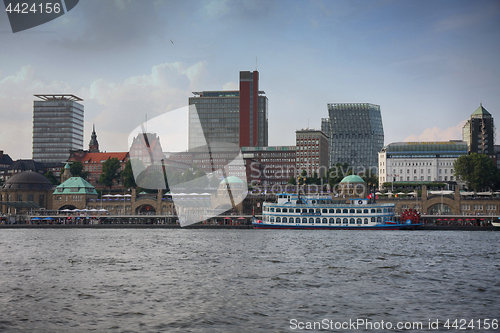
[(57, 127), (401, 163), (312, 152), (238, 117), (273, 165), (479, 132), (25, 191), (355, 133)]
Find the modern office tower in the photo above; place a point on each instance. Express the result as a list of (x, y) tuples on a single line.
[(57, 127), (402, 163), (355, 132), (238, 117), (479, 132), (312, 152)]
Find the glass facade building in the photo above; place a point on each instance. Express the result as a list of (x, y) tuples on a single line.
[(355, 132), (237, 117), (57, 127)]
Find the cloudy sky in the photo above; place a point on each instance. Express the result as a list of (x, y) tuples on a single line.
[(428, 64)]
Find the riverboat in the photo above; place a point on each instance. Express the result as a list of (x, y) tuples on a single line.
[(294, 211), (496, 225)]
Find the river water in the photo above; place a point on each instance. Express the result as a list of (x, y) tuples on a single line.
[(181, 280)]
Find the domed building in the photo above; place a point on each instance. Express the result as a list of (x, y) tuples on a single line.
[(25, 191), (352, 186), (74, 193)]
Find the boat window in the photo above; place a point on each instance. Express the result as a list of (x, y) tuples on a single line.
[(278, 219), (285, 210), (284, 220), (272, 218), (325, 220), (324, 210), (373, 219), (291, 219), (385, 210), (313, 202), (272, 209), (373, 210), (304, 210), (365, 211), (331, 211), (339, 211), (311, 220), (318, 210), (379, 219), (379, 210), (351, 221), (345, 221), (304, 220), (318, 220), (358, 211), (366, 221), (351, 211), (358, 221), (345, 211), (297, 210), (311, 210), (339, 221), (332, 220), (278, 210)]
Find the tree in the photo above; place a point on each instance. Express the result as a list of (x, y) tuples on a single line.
[(477, 170), (51, 177), (292, 181), (110, 172), (128, 175), (76, 170)]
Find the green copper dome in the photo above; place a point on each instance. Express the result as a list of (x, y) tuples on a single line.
[(232, 180), (352, 179)]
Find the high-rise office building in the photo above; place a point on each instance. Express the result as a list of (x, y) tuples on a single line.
[(479, 132), (355, 132), (57, 127), (312, 152), (238, 117)]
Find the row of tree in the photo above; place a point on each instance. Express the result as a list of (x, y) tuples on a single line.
[(478, 171)]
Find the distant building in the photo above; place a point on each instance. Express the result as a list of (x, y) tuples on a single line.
[(401, 163), (57, 127), (238, 117), (25, 191), (92, 163), (312, 152), (30, 165), (273, 165), (479, 132), (355, 132), (5, 160)]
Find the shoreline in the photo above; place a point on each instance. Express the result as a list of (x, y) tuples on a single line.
[(203, 226)]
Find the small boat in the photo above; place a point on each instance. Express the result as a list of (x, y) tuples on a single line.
[(294, 211), (496, 224)]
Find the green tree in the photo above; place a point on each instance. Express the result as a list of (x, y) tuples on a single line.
[(201, 179), (76, 169), (292, 181), (214, 181), (477, 170), (110, 172), (51, 177), (128, 175)]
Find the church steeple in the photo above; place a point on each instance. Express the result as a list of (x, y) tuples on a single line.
[(93, 144)]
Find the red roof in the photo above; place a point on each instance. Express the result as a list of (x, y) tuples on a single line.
[(98, 157)]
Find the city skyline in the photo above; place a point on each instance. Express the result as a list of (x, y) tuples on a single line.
[(428, 65)]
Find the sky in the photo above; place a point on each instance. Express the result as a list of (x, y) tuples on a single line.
[(428, 64)]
